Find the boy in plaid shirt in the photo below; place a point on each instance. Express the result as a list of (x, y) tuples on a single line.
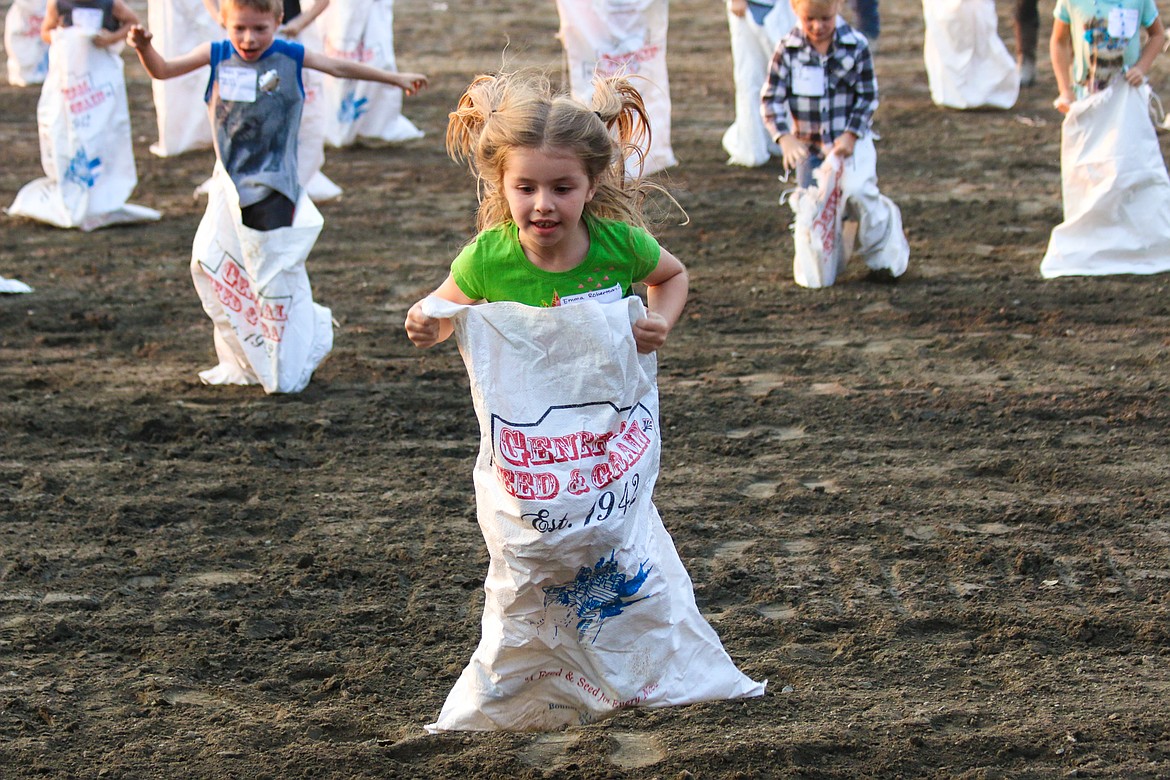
[(819, 99)]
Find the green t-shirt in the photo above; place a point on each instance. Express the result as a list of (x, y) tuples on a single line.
[(493, 267)]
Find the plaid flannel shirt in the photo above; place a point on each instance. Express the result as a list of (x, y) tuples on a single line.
[(850, 94)]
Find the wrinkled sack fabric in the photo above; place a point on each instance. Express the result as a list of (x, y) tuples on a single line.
[(880, 241), (178, 27), (28, 54), (254, 287), (588, 608), (1115, 189), (362, 31), (608, 37), (967, 64), (746, 141), (86, 147), (820, 248)]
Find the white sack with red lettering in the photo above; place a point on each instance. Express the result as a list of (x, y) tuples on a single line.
[(967, 64), (254, 286), (819, 208), (178, 27), (86, 149), (609, 37), (588, 608), (1115, 189), (362, 31), (28, 54)]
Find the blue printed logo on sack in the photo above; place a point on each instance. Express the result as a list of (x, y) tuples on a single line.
[(352, 109), (597, 594), (83, 170)]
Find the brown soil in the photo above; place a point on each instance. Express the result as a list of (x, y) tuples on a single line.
[(931, 513)]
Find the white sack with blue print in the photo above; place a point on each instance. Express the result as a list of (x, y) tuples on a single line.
[(86, 148), (362, 31), (588, 608)]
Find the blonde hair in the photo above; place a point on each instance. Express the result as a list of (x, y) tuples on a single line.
[(824, 6), (521, 110), (275, 7)]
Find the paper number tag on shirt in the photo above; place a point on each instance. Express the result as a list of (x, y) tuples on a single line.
[(237, 85), (1123, 23), (88, 19), (808, 81)]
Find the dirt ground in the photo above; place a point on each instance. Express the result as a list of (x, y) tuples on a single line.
[(933, 514)]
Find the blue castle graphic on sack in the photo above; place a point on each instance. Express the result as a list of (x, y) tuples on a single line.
[(82, 169), (597, 594)]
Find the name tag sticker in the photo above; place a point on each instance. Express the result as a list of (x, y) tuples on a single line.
[(237, 85), (1123, 22), (88, 19), (808, 81)]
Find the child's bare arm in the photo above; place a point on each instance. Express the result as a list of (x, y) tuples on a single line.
[(295, 27), (158, 66), (666, 295), (50, 22), (126, 19), (1061, 53), (425, 331), (409, 83), (1156, 39)]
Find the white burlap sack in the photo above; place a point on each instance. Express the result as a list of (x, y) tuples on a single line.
[(28, 54), (610, 37), (879, 239), (966, 62), (86, 148), (178, 27), (746, 141), (314, 123), (820, 209), (1115, 189), (254, 286), (588, 608), (362, 31)]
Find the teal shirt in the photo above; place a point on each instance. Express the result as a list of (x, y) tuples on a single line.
[(493, 267), (1099, 55)]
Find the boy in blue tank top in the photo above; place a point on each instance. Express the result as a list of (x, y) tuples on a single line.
[(254, 98)]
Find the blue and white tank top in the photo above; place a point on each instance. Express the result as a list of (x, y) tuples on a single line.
[(255, 110)]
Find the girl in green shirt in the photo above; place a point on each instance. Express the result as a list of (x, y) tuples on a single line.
[(560, 221)]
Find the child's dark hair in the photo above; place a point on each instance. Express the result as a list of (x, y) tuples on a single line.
[(506, 111)]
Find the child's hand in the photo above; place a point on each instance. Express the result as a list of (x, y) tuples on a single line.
[(843, 146), (422, 330), (292, 29), (1062, 103), (794, 150), (105, 38), (650, 332), (737, 7), (1135, 75), (138, 36), (410, 83)]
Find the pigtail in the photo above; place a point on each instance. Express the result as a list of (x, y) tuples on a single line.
[(520, 110), (620, 107), (465, 124)]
